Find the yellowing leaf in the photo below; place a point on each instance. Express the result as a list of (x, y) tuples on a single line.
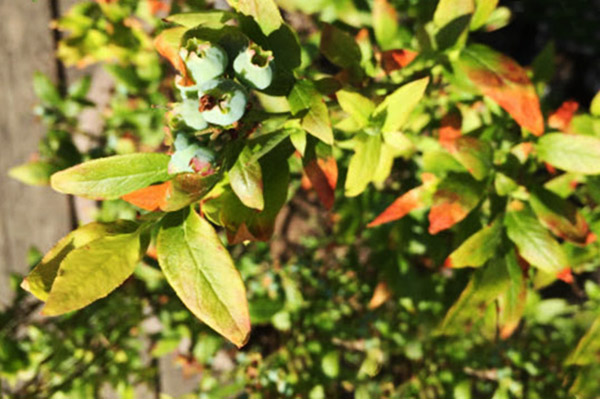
[(397, 107), (201, 272), (363, 164), (93, 271), (357, 106), (40, 279), (265, 12), (504, 81), (478, 248)]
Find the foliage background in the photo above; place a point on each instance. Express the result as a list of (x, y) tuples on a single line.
[(319, 339)]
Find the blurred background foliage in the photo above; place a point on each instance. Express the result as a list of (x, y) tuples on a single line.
[(324, 325)]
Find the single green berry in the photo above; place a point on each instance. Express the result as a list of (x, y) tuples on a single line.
[(205, 61), (253, 66), (222, 101), (191, 116), (190, 157), (187, 92)]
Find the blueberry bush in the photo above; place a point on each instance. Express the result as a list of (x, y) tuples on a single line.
[(360, 197)]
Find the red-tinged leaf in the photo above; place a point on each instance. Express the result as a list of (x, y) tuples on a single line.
[(406, 203), (456, 196), (504, 81), (450, 130), (392, 60), (381, 294), (151, 198), (565, 275), (561, 118), (158, 7), (474, 154), (167, 44), (323, 174), (559, 215)]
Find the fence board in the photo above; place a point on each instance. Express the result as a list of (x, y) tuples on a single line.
[(28, 216)]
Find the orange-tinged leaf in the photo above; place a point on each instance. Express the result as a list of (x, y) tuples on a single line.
[(456, 196), (561, 118), (167, 44), (322, 175), (150, 198), (401, 207), (450, 130), (506, 82), (158, 6), (381, 294), (565, 275), (393, 60), (406, 203)]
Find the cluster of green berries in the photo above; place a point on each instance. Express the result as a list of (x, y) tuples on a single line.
[(213, 98)]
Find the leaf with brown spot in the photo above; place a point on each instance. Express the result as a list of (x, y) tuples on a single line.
[(478, 248), (504, 81), (455, 197), (511, 302)]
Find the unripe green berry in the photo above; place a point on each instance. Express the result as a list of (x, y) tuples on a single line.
[(190, 157), (191, 116), (253, 66), (205, 61), (222, 101)]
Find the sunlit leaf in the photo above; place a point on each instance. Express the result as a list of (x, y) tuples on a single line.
[(573, 153), (363, 164), (246, 180), (478, 248), (534, 242), (395, 110), (203, 275), (112, 177), (265, 12)]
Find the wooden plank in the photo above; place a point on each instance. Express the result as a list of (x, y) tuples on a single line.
[(28, 216)]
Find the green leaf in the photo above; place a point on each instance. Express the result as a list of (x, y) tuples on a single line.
[(544, 64), (484, 287), (478, 248), (40, 279), (356, 105), (452, 17), (46, 90), (316, 120), (93, 271), (112, 177), (339, 47), (363, 164), (246, 180), (203, 275), (588, 347), (242, 223), (535, 243), (474, 154), (265, 12), (483, 10), (511, 302), (193, 19), (595, 105), (385, 24), (573, 153), (397, 107), (559, 215), (36, 173)]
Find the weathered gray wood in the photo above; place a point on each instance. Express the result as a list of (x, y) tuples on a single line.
[(28, 216)]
